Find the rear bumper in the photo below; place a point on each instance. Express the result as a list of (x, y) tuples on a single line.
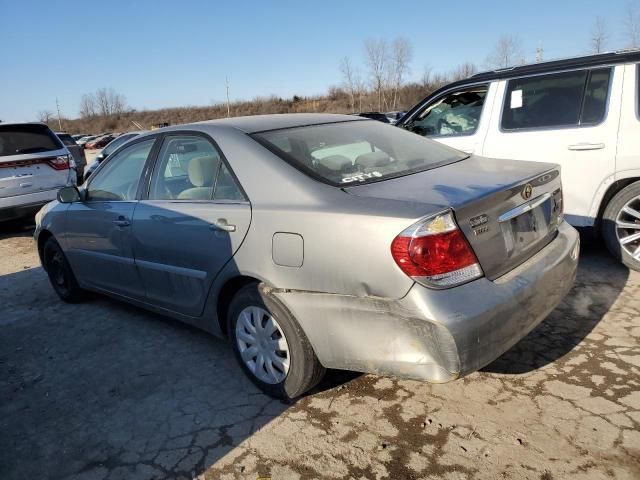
[(438, 335), (20, 206)]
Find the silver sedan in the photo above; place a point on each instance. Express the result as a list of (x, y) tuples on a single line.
[(319, 241)]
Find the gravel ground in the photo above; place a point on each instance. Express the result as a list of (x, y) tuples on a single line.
[(102, 390)]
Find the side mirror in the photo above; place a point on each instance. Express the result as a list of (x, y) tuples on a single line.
[(69, 194)]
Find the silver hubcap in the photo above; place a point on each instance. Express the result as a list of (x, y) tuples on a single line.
[(262, 345), (628, 228)]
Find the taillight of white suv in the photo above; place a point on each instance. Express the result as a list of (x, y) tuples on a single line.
[(435, 253)]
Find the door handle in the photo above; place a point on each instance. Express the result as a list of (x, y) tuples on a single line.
[(222, 224), (122, 222), (579, 147)]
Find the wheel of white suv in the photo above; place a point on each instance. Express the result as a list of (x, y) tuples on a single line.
[(621, 226), (270, 346)]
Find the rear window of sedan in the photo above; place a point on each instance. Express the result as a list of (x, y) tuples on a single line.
[(356, 152), (21, 139)]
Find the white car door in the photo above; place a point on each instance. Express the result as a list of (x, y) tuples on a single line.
[(570, 118), (458, 117)]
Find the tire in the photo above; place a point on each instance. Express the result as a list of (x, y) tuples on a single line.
[(295, 369), (60, 274), (624, 210)]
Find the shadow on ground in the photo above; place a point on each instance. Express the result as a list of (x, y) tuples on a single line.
[(600, 281)]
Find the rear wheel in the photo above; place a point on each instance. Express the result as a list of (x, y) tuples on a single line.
[(621, 226), (60, 274), (271, 347)]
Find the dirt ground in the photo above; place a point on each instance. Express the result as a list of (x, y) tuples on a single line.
[(102, 390)]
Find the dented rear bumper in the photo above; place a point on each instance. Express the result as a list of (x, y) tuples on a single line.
[(437, 335)]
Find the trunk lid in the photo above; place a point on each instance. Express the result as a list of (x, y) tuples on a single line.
[(508, 210)]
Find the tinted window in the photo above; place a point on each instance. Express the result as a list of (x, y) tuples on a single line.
[(357, 151), (20, 139), (457, 113), (119, 178), (595, 97), (560, 99)]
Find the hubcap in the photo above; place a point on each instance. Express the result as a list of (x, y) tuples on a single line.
[(262, 345), (628, 228)]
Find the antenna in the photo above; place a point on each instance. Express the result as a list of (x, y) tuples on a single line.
[(58, 109), (228, 109)]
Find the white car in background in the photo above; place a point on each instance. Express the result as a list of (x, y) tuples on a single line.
[(582, 113), (34, 165)]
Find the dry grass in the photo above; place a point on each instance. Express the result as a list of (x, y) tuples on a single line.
[(336, 101)]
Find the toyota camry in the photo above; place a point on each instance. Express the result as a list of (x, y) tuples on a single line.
[(319, 241)]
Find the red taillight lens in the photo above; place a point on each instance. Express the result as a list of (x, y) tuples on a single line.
[(59, 163), (435, 253)]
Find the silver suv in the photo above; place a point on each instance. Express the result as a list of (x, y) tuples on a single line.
[(34, 165)]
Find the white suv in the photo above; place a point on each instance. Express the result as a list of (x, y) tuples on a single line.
[(582, 113), (34, 165)]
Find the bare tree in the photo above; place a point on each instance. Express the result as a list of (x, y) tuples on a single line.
[(399, 66), (87, 106), (599, 35), (377, 54), (506, 53), (427, 76), (45, 116), (463, 71), (632, 24), (349, 79), (109, 102)]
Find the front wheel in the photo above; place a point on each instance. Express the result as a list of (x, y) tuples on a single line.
[(271, 347), (60, 274), (621, 226)]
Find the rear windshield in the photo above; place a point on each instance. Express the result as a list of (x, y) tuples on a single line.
[(19, 139), (356, 152)]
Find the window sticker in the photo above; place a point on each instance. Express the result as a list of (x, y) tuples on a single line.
[(361, 177), (516, 99)]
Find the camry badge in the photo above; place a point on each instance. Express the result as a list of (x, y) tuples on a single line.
[(526, 192)]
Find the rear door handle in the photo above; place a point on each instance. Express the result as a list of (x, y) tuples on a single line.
[(122, 223), (586, 146), (222, 224)]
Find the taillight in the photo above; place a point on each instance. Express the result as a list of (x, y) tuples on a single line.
[(59, 163), (435, 253)]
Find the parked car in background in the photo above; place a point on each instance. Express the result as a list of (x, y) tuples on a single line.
[(390, 253), (108, 150), (393, 117), (34, 165), (79, 136), (581, 113), (83, 141), (381, 117), (77, 151), (99, 142)]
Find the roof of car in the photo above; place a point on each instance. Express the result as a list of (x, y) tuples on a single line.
[(261, 123)]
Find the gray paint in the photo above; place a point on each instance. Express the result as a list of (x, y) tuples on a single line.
[(288, 249), (358, 309)]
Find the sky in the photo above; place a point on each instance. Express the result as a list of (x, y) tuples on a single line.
[(176, 53)]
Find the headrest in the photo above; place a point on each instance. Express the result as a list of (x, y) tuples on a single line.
[(335, 162), (372, 159), (201, 171)]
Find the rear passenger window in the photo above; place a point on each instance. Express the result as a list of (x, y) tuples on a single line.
[(190, 168), (556, 100)]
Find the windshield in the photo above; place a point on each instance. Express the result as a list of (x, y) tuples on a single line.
[(19, 139), (356, 152)]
